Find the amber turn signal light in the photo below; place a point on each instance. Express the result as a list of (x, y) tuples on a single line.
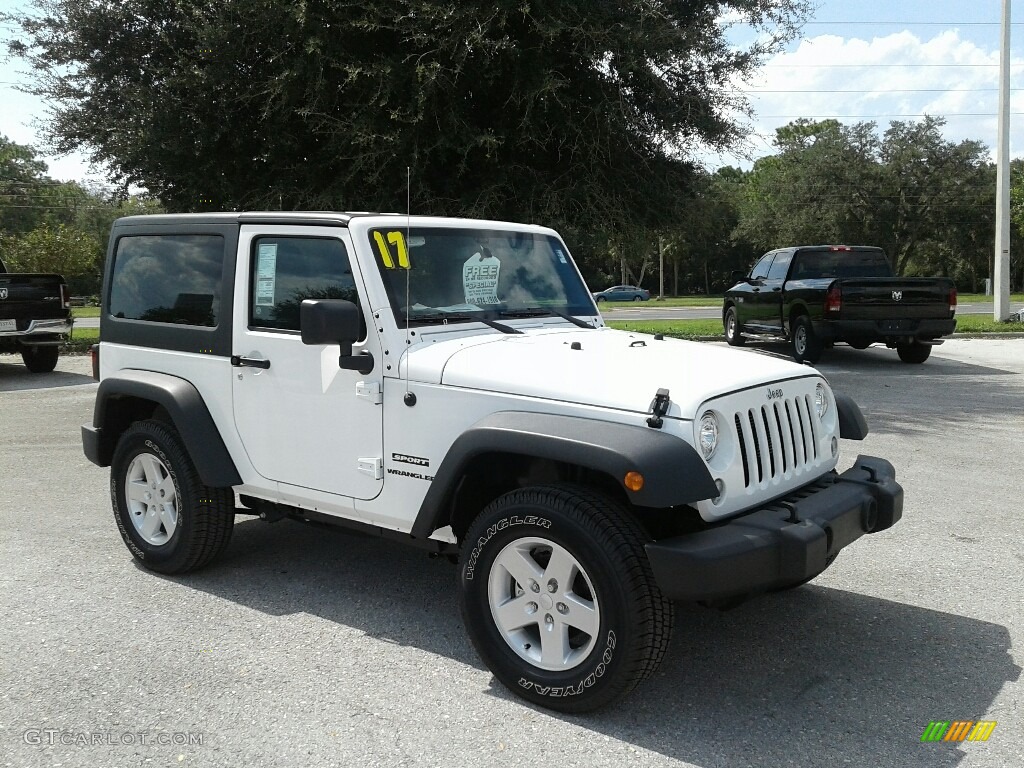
[(633, 480)]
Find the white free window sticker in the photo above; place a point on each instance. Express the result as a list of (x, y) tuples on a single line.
[(266, 274), (480, 279)]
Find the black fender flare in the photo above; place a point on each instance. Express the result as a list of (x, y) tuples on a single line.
[(852, 424), (674, 473), (188, 412)]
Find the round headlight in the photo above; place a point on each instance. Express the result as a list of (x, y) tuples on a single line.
[(708, 434), (820, 400)]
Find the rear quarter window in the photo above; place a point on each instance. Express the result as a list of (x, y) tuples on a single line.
[(168, 279)]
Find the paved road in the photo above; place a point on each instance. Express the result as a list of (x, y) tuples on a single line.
[(651, 311), (314, 648)]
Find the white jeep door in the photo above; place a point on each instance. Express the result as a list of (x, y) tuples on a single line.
[(303, 420)]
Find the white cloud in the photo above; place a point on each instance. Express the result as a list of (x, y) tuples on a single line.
[(895, 77)]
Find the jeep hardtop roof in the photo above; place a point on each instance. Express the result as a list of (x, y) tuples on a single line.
[(313, 218)]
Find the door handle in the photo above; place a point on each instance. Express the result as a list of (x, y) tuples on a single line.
[(249, 362)]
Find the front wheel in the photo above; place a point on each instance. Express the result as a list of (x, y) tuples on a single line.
[(732, 329), (169, 520), (40, 359), (807, 347), (914, 353), (559, 599)]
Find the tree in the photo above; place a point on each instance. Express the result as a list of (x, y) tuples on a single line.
[(578, 114), (924, 199), (59, 249), (819, 187)]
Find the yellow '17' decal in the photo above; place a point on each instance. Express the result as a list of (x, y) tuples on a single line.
[(396, 239)]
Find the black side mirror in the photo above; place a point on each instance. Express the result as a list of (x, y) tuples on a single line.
[(335, 321), (738, 276)]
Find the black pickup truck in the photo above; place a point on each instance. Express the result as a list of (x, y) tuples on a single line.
[(815, 296), (35, 314)]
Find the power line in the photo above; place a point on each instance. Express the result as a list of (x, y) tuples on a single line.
[(875, 90)]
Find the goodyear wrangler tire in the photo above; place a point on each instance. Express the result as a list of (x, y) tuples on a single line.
[(559, 599), (169, 520)]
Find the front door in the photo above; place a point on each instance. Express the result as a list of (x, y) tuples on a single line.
[(303, 420)]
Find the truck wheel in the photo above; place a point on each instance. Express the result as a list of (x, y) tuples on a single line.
[(559, 599), (169, 520), (40, 359), (914, 352), (806, 346), (732, 329)]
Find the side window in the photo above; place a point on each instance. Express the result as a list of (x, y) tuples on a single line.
[(168, 279), (761, 268), (287, 270), (780, 266)]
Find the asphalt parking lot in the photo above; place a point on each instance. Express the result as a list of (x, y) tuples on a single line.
[(308, 647)]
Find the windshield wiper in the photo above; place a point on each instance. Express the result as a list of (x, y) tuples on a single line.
[(545, 313), (444, 317)]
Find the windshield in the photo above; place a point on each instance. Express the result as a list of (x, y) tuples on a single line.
[(810, 265), (467, 274)]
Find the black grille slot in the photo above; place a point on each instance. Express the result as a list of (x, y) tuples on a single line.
[(757, 447), (768, 437), (743, 451)]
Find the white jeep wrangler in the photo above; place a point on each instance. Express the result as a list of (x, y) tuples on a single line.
[(450, 383)]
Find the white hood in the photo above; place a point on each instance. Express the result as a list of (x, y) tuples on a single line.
[(611, 369)]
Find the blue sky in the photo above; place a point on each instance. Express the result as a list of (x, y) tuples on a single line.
[(878, 61)]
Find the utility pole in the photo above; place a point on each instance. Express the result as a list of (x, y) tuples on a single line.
[(1001, 265), (661, 269)]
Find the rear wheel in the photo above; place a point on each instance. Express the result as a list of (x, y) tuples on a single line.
[(169, 520), (806, 346), (638, 298), (914, 353), (559, 599), (40, 359), (732, 329)]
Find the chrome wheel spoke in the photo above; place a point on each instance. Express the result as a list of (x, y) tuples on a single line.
[(581, 614), (152, 468), (136, 492), (521, 566), (169, 519), (150, 524), (554, 643), (515, 614)]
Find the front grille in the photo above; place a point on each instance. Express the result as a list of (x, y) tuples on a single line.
[(777, 439)]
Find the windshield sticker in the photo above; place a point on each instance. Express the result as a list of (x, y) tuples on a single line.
[(266, 274), (480, 278), (396, 239), (561, 256)]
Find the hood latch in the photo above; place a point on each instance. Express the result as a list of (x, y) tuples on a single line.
[(659, 407)]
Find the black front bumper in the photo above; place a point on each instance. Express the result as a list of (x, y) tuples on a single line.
[(784, 543)]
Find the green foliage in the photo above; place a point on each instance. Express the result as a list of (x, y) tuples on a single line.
[(925, 200), (582, 115), (61, 250)]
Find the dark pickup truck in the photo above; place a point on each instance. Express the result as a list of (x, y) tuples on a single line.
[(815, 296), (35, 314)]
